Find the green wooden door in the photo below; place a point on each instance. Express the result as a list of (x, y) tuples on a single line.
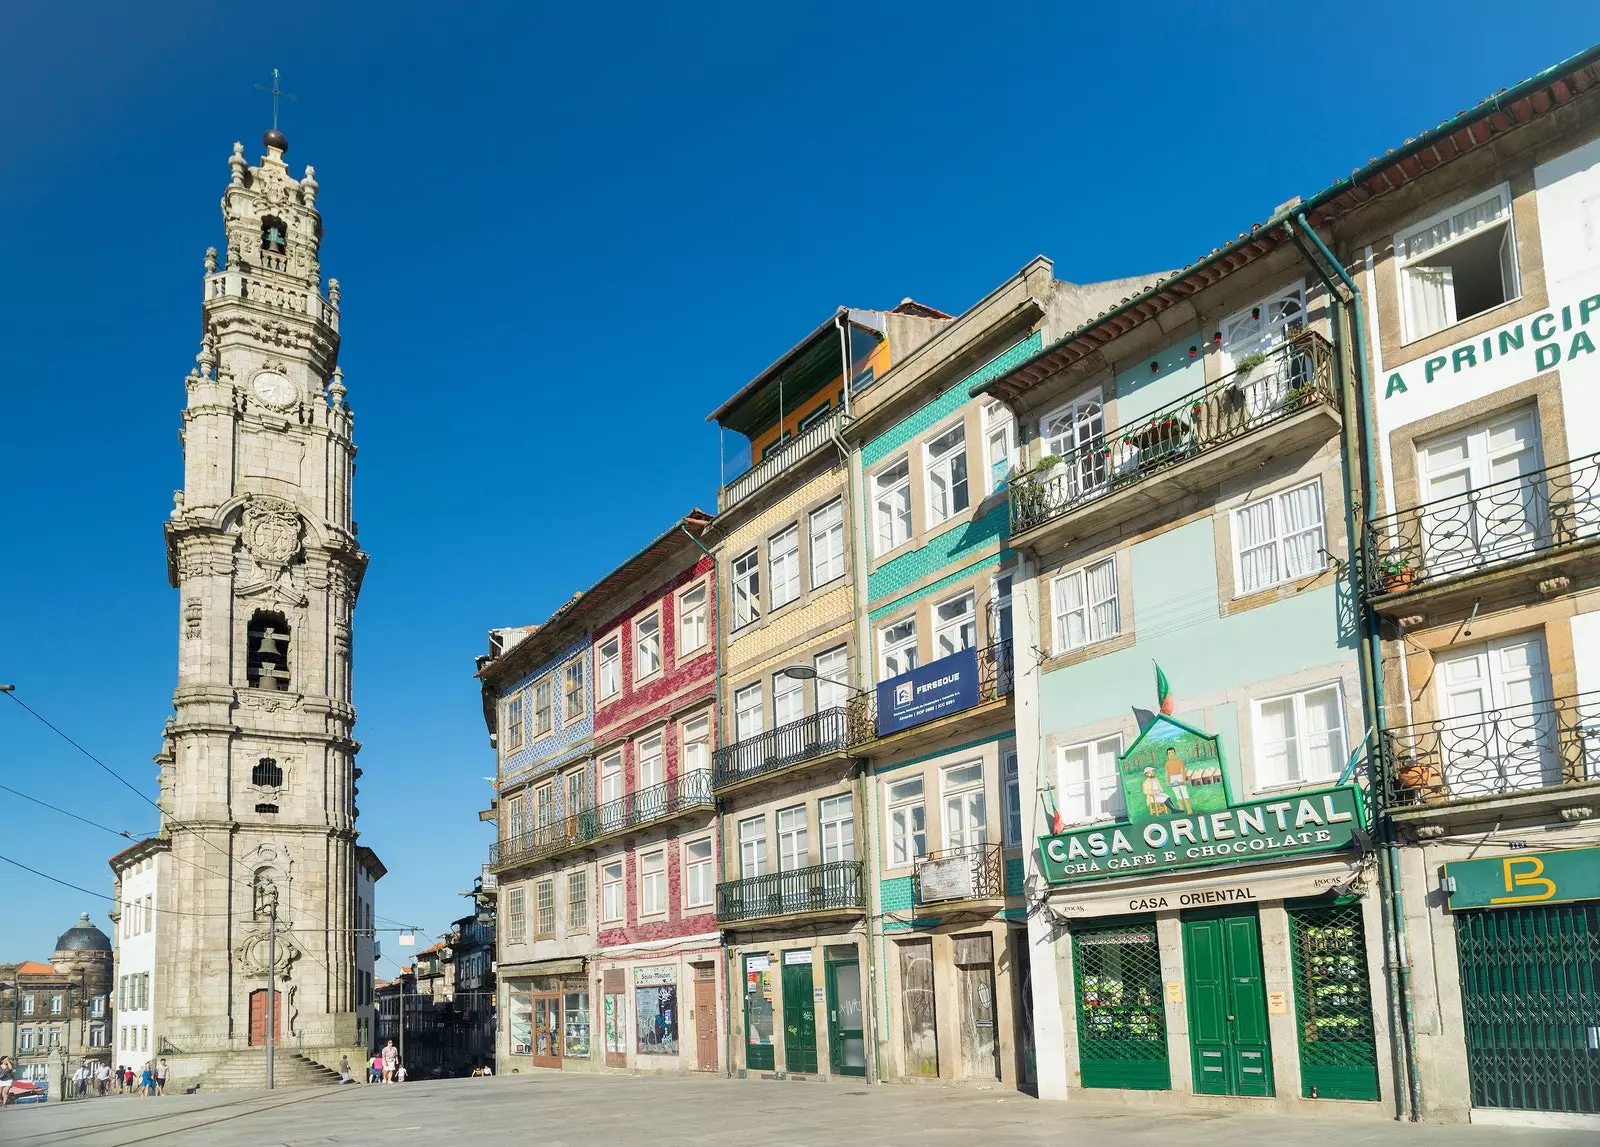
[(759, 1053), (799, 1017), (1231, 1050), (847, 1044)]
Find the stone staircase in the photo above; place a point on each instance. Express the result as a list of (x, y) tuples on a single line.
[(247, 1071)]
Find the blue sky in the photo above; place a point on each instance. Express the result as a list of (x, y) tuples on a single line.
[(565, 233)]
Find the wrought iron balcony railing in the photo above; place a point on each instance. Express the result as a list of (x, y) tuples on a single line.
[(814, 438), (1293, 376), (815, 735), (1514, 749), (1499, 523), (976, 872), (996, 679), (683, 793), (835, 885)]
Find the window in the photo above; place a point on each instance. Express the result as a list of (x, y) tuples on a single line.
[(647, 646), (572, 692), (651, 769), (144, 1039), (516, 920), (1279, 538), (513, 723), (266, 774), (747, 721), (575, 786), (966, 823), (515, 822), (699, 878), (55, 1005), (891, 514), (696, 734), (791, 838), (947, 474), (149, 912), (788, 700), (269, 808), (813, 417), (955, 625), (1457, 264), (611, 791), (1086, 606), (746, 588), (610, 674), (25, 1042), (544, 804), (692, 633), (1300, 738), (1465, 525), (1000, 608), (908, 834), (783, 562), (544, 920), (827, 543), (1008, 770), (611, 905), (1498, 685), (836, 817), (653, 882), (999, 444), (897, 645), (1091, 788), (833, 671), (1071, 429), (544, 707), (267, 656), (97, 1006), (752, 846)]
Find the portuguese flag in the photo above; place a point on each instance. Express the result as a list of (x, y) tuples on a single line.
[(1163, 692)]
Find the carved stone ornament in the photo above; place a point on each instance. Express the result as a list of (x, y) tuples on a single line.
[(272, 530), (251, 953), (1577, 812), (267, 702), (1425, 832), (1552, 586)]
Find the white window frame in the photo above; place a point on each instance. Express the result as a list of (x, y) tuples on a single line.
[(944, 465), (577, 882), (608, 667), (701, 869), (903, 853), (1013, 797), (965, 789), (648, 748), (1112, 782), (891, 519), (1072, 426), (902, 646), (619, 886), (745, 578), (647, 640), (1339, 756), (568, 715), (963, 625), (540, 932), (511, 723), (997, 417), (742, 706), (694, 619), (758, 856), (694, 743), (786, 691), (544, 710), (783, 566), (791, 857), (516, 915), (1094, 631), (831, 694), (826, 534), (1280, 558), (653, 897), (1404, 262), (827, 818)]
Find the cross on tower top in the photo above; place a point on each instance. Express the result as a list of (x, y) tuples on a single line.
[(277, 94)]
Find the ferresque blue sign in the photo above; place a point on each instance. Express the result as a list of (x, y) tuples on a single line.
[(937, 689)]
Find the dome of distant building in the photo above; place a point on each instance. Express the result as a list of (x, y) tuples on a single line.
[(83, 937)]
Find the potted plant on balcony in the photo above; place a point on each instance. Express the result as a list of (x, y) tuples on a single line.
[(1396, 572), (1416, 780), (1244, 364)]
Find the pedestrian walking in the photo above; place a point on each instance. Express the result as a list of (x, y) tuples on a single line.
[(102, 1077), (127, 1081), (344, 1069), (399, 1073), (7, 1075), (375, 1068), (161, 1077), (391, 1059), (147, 1083)]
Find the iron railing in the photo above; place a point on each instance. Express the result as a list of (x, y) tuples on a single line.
[(1293, 376), (683, 793), (976, 872), (837, 884), (1517, 748), (996, 679), (813, 439), (812, 736), (1516, 518)]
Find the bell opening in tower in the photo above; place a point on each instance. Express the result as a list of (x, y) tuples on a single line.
[(268, 665)]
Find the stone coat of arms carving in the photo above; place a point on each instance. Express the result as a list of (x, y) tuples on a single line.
[(272, 530)]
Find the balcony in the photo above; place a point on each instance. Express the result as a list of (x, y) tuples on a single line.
[(1549, 514), (955, 875), (1194, 441), (785, 457), (996, 681), (1519, 749), (657, 804), (817, 737), (835, 887)]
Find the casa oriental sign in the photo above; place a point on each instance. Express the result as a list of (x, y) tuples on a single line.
[(1181, 815)]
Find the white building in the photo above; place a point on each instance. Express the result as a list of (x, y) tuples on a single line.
[(139, 871)]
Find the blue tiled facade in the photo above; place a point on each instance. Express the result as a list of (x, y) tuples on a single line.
[(567, 741)]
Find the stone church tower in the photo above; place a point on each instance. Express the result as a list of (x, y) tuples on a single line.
[(258, 767)]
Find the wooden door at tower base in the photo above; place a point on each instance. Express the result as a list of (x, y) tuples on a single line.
[(258, 1018), (705, 1017), (1227, 1005)]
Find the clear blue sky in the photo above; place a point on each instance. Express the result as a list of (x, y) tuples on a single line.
[(565, 233)]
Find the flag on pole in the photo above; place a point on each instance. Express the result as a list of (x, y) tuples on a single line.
[(1163, 692), (1057, 824)]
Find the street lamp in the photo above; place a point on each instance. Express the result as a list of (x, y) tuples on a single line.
[(803, 672)]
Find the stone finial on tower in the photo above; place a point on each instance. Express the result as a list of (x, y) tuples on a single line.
[(333, 291), (308, 186), (211, 260), (336, 388), (206, 360), (239, 164)]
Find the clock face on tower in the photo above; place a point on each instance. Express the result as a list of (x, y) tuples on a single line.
[(273, 389)]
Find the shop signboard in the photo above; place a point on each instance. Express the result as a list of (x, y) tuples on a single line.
[(1181, 815), (929, 691), (1523, 878)]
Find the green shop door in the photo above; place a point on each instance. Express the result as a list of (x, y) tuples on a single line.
[(1122, 1019), (799, 1013), (847, 1043), (1227, 1005), (758, 1050)]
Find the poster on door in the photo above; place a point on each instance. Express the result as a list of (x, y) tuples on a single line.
[(616, 1025)]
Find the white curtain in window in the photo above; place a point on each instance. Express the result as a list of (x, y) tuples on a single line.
[(1103, 594), (1430, 298), (1324, 736), (1276, 752), (1258, 565), (1071, 631), (1302, 530)]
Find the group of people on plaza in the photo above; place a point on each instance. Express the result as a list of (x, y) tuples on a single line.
[(101, 1077), (383, 1067)]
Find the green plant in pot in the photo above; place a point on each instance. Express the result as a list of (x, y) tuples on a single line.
[(1244, 364), (1396, 571)]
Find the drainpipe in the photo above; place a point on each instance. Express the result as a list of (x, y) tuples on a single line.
[(717, 642), (1396, 943)]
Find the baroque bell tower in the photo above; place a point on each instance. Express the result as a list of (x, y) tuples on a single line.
[(258, 765)]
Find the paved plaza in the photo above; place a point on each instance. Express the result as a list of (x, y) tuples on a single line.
[(555, 1110)]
